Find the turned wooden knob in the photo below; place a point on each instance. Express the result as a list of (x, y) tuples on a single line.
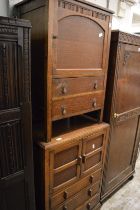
[(65, 208), (65, 195), (64, 90), (79, 160), (89, 206), (64, 111), (91, 179), (54, 36), (94, 103), (90, 192), (95, 85)]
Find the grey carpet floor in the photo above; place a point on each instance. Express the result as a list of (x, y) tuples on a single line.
[(128, 197)]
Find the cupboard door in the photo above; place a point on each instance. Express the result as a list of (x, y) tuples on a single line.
[(128, 83), (65, 164), (92, 153), (80, 40)]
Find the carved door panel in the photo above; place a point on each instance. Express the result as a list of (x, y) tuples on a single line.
[(80, 40), (16, 172), (65, 165), (10, 112), (128, 83), (92, 154)]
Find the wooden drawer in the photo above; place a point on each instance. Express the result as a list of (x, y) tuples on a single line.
[(75, 188), (80, 198), (91, 204), (71, 86), (70, 106)]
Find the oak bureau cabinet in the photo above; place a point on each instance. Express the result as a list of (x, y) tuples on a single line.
[(70, 49), (122, 110), (16, 161)]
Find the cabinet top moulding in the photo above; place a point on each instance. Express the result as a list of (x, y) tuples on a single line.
[(39, 3), (124, 37), (13, 22)]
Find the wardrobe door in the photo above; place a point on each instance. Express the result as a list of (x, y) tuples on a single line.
[(16, 163), (124, 118)]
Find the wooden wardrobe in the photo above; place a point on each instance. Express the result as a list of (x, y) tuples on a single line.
[(122, 110), (16, 159), (70, 49)]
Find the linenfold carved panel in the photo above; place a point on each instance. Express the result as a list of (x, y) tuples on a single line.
[(82, 10), (11, 158), (9, 90)]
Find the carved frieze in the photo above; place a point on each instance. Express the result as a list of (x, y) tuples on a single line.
[(5, 29), (127, 115), (81, 9), (129, 38)]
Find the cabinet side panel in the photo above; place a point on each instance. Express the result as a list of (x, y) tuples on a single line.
[(37, 19), (110, 81)]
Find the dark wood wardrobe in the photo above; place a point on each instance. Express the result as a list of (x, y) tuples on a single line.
[(122, 110), (70, 49), (16, 161)]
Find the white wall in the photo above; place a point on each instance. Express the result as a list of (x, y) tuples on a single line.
[(124, 24), (11, 4), (3, 7)]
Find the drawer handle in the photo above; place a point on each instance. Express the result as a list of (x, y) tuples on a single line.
[(91, 179), (89, 206), (95, 85), (63, 110), (94, 103), (90, 192), (116, 115), (79, 160), (64, 90), (84, 159), (65, 207), (55, 37), (65, 195)]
